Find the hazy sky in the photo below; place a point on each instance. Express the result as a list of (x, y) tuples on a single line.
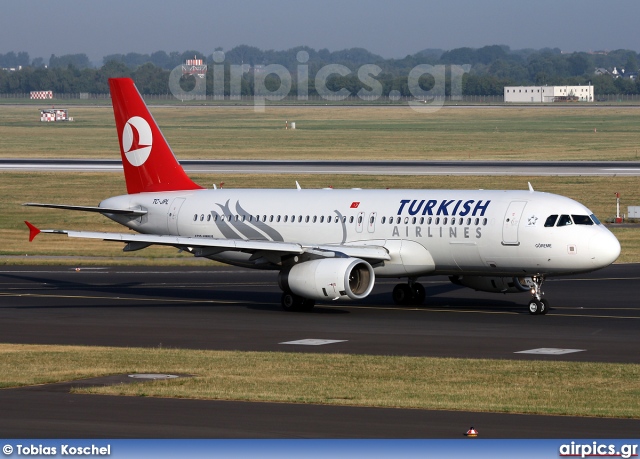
[(386, 27)]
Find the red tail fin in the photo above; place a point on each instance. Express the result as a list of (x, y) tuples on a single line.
[(148, 162)]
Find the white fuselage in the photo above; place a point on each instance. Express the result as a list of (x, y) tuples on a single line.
[(488, 233)]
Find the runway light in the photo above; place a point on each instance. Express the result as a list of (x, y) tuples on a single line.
[(472, 432), (77, 269)]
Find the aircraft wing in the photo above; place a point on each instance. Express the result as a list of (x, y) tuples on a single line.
[(210, 246)]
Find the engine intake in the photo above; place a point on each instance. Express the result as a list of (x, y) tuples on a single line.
[(329, 278)]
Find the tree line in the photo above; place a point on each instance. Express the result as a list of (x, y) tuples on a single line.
[(491, 68)]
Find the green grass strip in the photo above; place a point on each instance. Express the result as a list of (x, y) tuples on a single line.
[(506, 386)]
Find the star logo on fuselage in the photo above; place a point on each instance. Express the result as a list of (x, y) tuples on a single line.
[(532, 220)]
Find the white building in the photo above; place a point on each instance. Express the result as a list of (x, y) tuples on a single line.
[(544, 94)]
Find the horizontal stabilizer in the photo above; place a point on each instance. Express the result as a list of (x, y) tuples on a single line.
[(101, 210)]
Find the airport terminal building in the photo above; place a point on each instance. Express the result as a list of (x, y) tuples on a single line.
[(545, 94)]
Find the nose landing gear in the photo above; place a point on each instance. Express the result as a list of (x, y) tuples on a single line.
[(538, 305)]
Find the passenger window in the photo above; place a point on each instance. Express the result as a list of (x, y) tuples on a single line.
[(359, 219), (315, 219), (384, 219), (581, 220), (270, 218), (371, 219), (551, 221), (195, 217), (564, 220), (306, 219), (484, 222), (201, 217), (344, 219), (461, 221), (429, 220), (445, 220), (209, 217), (398, 220), (321, 218), (437, 220), (477, 221), (286, 217), (413, 220), (421, 220), (336, 221), (469, 221), (293, 219), (264, 218), (278, 219)]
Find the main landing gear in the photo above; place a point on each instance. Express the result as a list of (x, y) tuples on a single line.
[(538, 305), (410, 293), (292, 302)]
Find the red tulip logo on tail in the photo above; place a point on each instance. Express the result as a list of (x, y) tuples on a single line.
[(137, 140)]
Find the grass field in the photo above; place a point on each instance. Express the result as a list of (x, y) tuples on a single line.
[(323, 133), (480, 133), (561, 388)]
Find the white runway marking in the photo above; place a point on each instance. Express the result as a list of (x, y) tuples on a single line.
[(315, 342), (550, 351)]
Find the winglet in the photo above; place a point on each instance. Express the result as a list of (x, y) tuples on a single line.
[(33, 231), (530, 187)]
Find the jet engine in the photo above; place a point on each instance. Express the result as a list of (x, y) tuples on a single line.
[(494, 284), (329, 278)]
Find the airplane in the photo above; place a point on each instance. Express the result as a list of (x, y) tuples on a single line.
[(330, 244)]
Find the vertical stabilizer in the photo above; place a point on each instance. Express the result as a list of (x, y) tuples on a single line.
[(148, 162)]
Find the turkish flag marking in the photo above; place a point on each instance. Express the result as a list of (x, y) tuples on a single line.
[(354, 205)]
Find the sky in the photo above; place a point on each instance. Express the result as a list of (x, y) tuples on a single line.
[(390, 28)]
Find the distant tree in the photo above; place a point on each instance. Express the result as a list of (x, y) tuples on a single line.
[(79, 61), (578, 64)]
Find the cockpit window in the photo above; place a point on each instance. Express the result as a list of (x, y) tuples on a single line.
[(564, 220), (582, 220), (551, 221), (595, 219)]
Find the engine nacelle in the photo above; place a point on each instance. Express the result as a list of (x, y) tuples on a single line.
[(494, 284), (329, 279)]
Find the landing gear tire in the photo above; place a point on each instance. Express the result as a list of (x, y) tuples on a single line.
[(405, 294), (535, 306), (419, 293), (402, 294), (545, 306), (291, 302)]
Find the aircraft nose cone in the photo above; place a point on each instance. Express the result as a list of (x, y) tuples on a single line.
[(604, 249)]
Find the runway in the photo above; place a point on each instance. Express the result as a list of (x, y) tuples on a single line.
[(230, 308), (597, 316), (525, 168)]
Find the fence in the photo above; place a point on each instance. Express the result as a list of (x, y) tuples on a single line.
[(353, 98)]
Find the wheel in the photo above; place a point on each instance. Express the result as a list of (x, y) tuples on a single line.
[(402, 294), (419, 293), (291, 302), (545, 306), (535, 306), (307, 305)]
